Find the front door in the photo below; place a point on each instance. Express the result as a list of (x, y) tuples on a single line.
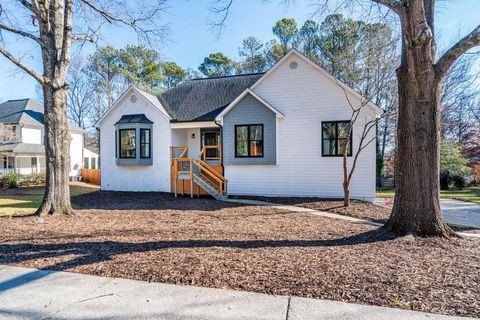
[(211, 138)]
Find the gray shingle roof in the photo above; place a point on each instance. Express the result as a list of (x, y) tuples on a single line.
[(204, 99), (26, 112), (134, 118), (23, 148)]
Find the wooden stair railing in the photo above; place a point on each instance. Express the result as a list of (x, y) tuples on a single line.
[(198, 171), (203, 153)]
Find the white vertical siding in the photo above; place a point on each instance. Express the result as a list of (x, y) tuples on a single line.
[(76, 153), (136, 178), (306, 98)]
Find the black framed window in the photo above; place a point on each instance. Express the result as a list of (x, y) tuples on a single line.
[(145, 145), (127, 143), (249, 141), (335, 138)]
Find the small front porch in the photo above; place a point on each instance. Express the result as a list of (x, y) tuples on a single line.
[(196, 160), (21, 163)]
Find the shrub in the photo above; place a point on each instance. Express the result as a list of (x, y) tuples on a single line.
[(11, 180), (33, 179), (459, 182)]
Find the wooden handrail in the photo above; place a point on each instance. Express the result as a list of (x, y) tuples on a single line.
[(213, 171), (182, 155), (203, 154)]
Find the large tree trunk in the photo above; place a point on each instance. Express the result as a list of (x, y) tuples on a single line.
[(57, 148), (416, 208)]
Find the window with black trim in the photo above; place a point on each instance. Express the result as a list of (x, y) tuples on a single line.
[(249, 141), (145, 145), (335, 138), (127, 143)]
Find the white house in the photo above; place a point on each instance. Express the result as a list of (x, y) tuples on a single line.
[(277, 133), (22, 147)]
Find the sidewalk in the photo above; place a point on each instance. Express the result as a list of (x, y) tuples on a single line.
[(35, 294)]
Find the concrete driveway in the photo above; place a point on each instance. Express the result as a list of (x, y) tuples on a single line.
[(455, 211)]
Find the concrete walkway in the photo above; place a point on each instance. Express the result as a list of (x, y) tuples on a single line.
[(455, 211), (325, 214), (34, 294)]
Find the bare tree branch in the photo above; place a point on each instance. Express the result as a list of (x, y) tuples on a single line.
[(469, 41), (20, 33), (393, 5), (41, 79)]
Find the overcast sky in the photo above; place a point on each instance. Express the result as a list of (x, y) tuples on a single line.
[(191, 38)]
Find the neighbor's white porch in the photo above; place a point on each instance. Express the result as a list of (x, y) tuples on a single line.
[(24, 164)]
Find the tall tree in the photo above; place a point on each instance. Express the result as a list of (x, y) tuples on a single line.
[(172, 73), (141, 67), (50, 25), (420, 78), (217, 65), (309, 39), (340, 46), (253, 56), (286, 30)]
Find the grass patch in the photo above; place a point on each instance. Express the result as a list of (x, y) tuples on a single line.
[(26, 200), (19, 204), (471, 194)]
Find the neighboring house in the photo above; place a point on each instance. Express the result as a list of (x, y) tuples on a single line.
[(90, 159), (24, 151), (272, 134)]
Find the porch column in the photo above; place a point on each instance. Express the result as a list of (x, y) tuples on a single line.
[(38, 164), (15, 164)]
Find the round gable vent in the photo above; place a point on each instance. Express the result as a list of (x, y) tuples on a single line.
[(293, 65), (133, 98)]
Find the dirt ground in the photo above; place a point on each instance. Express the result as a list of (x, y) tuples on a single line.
[(203, 242)]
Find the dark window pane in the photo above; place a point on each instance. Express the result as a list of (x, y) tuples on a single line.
[(256, 148), (256, 133), (329, 147), (342, 143), (343, 128), (145, 143), (127, 143), (241, 136), (328, 130)]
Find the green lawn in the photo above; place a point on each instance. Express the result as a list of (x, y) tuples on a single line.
[(25, 201), (471, 194)]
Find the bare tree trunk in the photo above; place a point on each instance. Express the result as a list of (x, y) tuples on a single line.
[(416, 208), (346, 184), (57, 146)]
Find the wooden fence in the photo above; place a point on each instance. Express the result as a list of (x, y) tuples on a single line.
[(91, 176)]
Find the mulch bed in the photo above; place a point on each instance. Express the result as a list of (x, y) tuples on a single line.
[(208, 243), (357, 209)]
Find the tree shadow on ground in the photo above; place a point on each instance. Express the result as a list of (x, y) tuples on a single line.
[(86, 253), (117, 200)]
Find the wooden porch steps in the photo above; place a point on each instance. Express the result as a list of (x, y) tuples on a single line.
[(197, 173)]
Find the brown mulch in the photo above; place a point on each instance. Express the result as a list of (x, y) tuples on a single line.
[(357, 209), (208, 243)]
